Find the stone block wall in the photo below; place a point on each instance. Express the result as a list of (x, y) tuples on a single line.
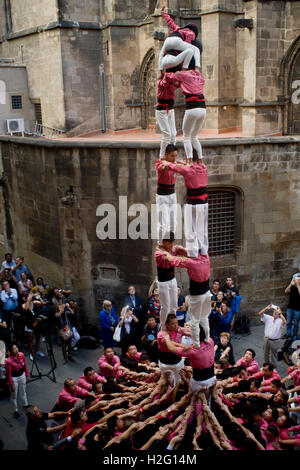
[(79, 10), (30, 14), (81, 77), (44, 68), (60, 239)]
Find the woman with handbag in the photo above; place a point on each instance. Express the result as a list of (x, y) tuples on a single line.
[(65, 331)]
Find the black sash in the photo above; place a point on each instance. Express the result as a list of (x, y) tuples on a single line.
[(164, 104), (194, 101), (17, 373), (165, 189), (196, 191), (198, 288), (169, 358), (165, 274), (203, 374)]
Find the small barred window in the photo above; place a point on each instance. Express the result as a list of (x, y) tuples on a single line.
[(223, 222), (16, 102)]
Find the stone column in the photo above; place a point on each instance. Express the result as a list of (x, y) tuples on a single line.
[(219, 64), (263, 50)]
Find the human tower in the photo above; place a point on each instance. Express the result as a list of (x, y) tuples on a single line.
[(179, 66)]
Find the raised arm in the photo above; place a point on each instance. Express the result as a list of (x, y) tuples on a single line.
[(262, 312)]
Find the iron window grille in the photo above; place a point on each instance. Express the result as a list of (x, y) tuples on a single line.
[(223, 222), (16, 102)]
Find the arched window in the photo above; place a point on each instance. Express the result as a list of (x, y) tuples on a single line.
[(290, 83), (224, 221), (147, 84)]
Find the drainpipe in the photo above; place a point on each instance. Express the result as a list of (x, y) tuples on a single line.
[(102, 98)]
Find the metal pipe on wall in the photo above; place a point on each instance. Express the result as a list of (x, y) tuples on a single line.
[(102, 98)]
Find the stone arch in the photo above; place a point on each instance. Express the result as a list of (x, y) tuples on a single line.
[(147, 85), (289, 73)]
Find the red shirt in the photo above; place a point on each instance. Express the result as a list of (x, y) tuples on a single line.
[(84, 383), (260, 374), (191, 82), (174, 336), (251, 366), (198, 269), (105, 371), (66, 399), (200, 358), (137, 357), (15, 364), (195, 176), (165, 90), (295, 374), (164, 176), (161, 260)]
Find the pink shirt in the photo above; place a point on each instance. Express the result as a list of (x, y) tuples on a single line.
[(174, 336), (251, 366), (137, 357), (194, 176), (164, 176), (198, 269), (260, 374), (187, 34), (191, 82), (66, 400), (15, 364), (84, 383), (263, 424), (295, 374), (200, 358), (165, 90), (104, 370), (161, 260)]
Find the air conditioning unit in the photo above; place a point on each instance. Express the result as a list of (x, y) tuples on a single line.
[(15, 125)]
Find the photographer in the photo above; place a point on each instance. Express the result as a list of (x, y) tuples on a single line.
[(32, 324), (273, 329), (64, 328), (9, 298), (293, 308), (128, 324)]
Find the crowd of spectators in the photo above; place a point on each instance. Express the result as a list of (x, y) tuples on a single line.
[(124, 401)]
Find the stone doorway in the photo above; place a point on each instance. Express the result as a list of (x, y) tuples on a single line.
[(294, 117), (147, 84), (290, 83)]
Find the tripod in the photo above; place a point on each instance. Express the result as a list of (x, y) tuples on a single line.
[(50, 374)]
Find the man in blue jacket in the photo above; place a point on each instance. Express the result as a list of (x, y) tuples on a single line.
[(108, 322), (221, 319)]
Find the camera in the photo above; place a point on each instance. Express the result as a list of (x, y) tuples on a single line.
[(42, 320)]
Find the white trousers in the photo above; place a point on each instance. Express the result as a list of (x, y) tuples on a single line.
[(192, 122), (199, 308), (173, 370), (198, 385), (196, 228), (166, 212), (166, 123), (168, 298), (19, 395), (187, 52)]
